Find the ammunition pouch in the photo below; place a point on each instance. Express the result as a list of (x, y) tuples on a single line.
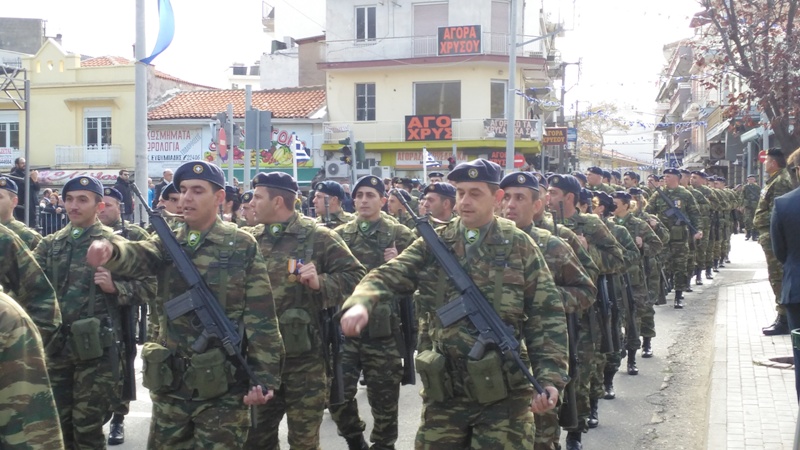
[(677, 233), (436, 381), (380, 320), (88, 338), (485, 380), (157, 372), (209, 374), (295, 325)]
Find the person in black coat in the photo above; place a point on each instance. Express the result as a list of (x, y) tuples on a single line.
[(167, 179), (784, 222), (32, 198), (123, 185)]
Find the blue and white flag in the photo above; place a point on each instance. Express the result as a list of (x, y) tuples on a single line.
[(166, 29), (297, 148), (429, 161)]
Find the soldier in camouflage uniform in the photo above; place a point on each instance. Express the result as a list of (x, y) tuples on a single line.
[(396, 209), (461, 410), (778, 183), (679, 233), (22, 277), (246, 214), (439, 199), (435, 177), (8, 201), (749, 199), (521, 202), (697, 255), (407, 184), (607, 254), (310, 269), (594, 180), (141, 292), (192, 411), (379, 349), (334, 215), (29, 419), (728, 202), (705, 246), (631, 179)]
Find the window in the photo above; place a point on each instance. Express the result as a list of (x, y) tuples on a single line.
[(365, 23), (9, 134), (365, 101), (97, 127), (438, 98), (498, 99)]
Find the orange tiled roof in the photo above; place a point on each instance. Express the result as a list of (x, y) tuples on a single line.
[(284, 103), (104, 61)]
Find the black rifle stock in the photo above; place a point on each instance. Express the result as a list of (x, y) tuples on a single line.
[(409, 339), (470, 303), (332, 352), (198, 298), (568, 415), (616, 339), (128, 319), (603, 307), (631, 329), (675, 212)]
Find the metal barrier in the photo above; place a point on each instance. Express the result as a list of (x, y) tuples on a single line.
[(51, 221)]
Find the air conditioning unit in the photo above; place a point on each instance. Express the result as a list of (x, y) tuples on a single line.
[(381, 171), (336, 169)]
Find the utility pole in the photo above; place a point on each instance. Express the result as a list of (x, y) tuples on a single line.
[(140, 108), (511, 93)]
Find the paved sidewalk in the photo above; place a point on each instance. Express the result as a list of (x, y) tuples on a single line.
[(752, 401)]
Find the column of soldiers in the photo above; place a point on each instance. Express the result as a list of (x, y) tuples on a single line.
[(276, 273)]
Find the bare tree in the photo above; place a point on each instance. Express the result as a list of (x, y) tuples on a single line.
[(594, 124)]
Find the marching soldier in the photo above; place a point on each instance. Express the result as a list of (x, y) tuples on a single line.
[(435, 177), (778, 183), (439, 200), (8, 201), (248, 218), (396, 209), (705, 246), (697, 255), (201, 398), (379, 349), (334, 215), (310, 269), (749, 199), (461, 409), (594, 180)]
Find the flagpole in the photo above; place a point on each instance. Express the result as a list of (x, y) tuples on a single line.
[(424, 164), (140, 106)]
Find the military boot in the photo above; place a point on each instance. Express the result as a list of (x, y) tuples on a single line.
[(755, 235), (727, 259), (647, 348), (608, 387), (116, 433), (357, 443), (594, 419), (574, 440), (678, 300), (708, 274), (698, 279), (778, 328), (632, 369), (747, 236), (716, 265), (721, 263)]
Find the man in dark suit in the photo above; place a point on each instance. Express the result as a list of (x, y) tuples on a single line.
[(784, 222), (167, 179)]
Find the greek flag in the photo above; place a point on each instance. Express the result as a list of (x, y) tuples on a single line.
[(166, 29), (297, 148), (429, 161)]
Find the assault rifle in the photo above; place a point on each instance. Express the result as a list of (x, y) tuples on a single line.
[(332, 352), (198, 298), (568, 414), (471, 303), (616, 339), (409, 339), (603, 307), (675, 213), (128, 319), (631, 329)]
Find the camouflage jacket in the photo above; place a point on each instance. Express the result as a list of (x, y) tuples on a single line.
[(29, 236), (750, 195), (230, 263), (651, 244), (30, 419), (577, 288), (630, 253), (510, 271), (406, 219), (661, 231), (134, 291), (339, 271), (602, 187), (335, 219), (715, 203), (682, 199), (604, 249), (777, 184), (546, 223), (23, 278), (703, 207)]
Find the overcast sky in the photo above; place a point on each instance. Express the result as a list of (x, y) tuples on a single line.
[(618, 42)]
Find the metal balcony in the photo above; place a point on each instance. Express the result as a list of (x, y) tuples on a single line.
[(88, 156)]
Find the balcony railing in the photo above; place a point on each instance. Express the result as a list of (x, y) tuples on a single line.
[(88, 156), (395, 131), (419, 47)]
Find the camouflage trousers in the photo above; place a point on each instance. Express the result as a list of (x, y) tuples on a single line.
[(691, 260), (382, 364), (703, 251), (676, 265), (647, 326), (748, 219), (640, 299), (774, 271), (301, 398), (726, 240), (179, 424), (588, 349), (459, 423), (85, 393), (547, 430)]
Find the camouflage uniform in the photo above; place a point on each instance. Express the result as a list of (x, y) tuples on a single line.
[(230, 263), (728, 224), (86, 387), (777, 184), (406, 219), (632, 259), (29, 236), (23, 278), (577, 293), (705, 250), (336, 219), (602, 187), (29, 419), (678, 245), (749, 199), (697, 256), (511, 270), (380, 356), (301, 395), (652, 267)]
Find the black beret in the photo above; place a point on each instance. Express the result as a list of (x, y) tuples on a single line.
[(520, 179), (700, 173), (404, 193), (672, 172), (686, 171), (113, 193), (580, 176), (8, 184), (616, 173), (247, 197), (720, 179), (406, 181), (478, 170), (436, 174), (656, 178), (542, 179), (232, 194), (566, 183), (550, 174), (169, 188), (82, 184), (595, 170), (622, 195), (330, 187), (441, 188), (606, 174), (635, 191), (604, 199), (415, 181), (775, 152), (633, 175), (752, 175), (277, 180), (370, 181), (585, 195), (199, 170)]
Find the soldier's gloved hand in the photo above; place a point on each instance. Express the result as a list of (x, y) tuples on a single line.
[(541, 403), (354, 320), (256, 396), (308, 275), (102, 278), (99, 253)]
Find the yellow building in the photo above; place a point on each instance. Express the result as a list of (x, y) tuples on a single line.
[(81, 114)]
